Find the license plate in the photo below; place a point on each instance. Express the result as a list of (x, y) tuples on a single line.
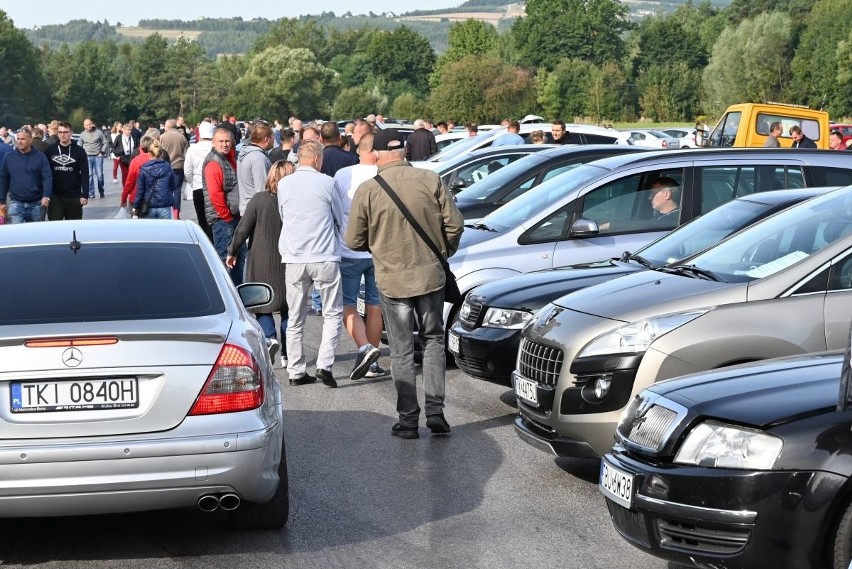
[(361, 306), (453, 343), (94, 394), (616, 484), (526, 389)]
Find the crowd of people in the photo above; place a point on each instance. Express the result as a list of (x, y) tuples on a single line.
[(305, 208)]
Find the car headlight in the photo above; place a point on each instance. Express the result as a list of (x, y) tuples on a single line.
[(505, 318), (637, 336), (716, 445)]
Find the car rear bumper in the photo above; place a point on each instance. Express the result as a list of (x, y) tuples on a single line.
[(43, 479)]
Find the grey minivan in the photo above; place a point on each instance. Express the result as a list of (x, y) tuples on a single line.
[(600, 209), (780, 287)]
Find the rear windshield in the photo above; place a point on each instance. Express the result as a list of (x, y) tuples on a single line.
[(106, 282)]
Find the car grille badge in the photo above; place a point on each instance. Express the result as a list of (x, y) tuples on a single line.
[(72, 357)]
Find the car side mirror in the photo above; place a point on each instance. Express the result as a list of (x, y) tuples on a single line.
[(456, 184), (584, 228), (254, 295)]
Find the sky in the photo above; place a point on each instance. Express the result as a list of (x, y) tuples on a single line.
[(29, 13)]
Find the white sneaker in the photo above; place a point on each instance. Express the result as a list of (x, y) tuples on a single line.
[(376, 371), (366, 355), (283, 362), (114, 181), (273, 346)]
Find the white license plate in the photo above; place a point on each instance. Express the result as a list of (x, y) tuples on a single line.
[(361, 306), (453, 343), (41, 396), (616, 484), (526, 389)]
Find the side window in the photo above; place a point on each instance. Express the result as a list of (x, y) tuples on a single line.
[(726, 131), (823, 176), (841, 275), (721, 184), (816, 283), (599, 139), (481, 169)]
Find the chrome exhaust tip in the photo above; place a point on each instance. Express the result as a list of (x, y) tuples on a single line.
[(229, 502), (208, 503)]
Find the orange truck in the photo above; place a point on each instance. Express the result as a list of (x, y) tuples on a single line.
[(747, 125)]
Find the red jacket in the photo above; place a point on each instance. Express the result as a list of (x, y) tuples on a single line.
[(215, 182), (129, 191)]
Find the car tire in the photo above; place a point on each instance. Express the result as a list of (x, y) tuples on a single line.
[(270, 515), (842, 551)]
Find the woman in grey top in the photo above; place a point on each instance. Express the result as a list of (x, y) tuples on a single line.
[(261, 226)]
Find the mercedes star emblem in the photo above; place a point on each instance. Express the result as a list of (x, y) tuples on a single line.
[(72, 357)]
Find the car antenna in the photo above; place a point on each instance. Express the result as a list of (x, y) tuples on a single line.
[(75, 245)]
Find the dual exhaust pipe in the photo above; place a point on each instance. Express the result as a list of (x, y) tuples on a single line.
[(212, 502)]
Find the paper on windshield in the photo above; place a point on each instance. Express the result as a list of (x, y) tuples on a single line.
[(773, 267)]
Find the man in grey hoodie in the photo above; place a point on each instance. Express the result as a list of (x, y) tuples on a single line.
[(253, 164)]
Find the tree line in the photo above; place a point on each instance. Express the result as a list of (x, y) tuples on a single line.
[(579, 60)]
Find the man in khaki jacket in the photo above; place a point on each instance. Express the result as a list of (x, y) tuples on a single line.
[(409, 276)]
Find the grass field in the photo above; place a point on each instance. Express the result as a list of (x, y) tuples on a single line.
[(142, 33)]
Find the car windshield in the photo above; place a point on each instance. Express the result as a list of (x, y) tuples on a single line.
[(483, 189), (541, 197), (782, 240), (145, 281), (461, 146), (704, 232)]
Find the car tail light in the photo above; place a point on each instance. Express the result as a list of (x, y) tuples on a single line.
[(235, 384), (664, 143)]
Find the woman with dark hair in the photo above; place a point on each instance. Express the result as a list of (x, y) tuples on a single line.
[(261, 226)]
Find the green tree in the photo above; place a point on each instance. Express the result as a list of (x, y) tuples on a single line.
[(186, 57), (358, 102), (664, 40), (402, 55), (471, 37), (291, 32), (841, 100), (563, 92), (410, 107), (670, 92), (590, 30), (483, 89), (282, 81), (151, 86), (749, 63), (815, 64), (25, 95), (611, 96)]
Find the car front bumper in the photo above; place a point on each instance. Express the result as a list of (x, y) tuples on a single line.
[(486, 353), (728, 518), (62, 478)]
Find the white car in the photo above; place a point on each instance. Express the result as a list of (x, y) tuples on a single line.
[(653, 139), (686, 136)]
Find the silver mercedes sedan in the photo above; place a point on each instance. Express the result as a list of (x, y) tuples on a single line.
[(132, 377)]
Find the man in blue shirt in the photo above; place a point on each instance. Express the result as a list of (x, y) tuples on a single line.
[(26, 180), (512, 137)]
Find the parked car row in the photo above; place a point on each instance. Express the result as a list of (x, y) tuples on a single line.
[(735, 467)]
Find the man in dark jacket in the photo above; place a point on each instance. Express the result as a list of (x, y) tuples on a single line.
[(69, 164), (799, 138), (421, 143), (26, 180), (334, 158)]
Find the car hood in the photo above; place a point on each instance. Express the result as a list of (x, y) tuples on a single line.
[(649, 293), (472, 236), (534, 290), (761, 394)]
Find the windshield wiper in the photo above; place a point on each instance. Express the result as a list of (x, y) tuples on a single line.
[(696, 270), (628, 256), (482, 226)]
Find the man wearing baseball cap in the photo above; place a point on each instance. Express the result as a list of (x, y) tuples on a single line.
[(409, 277)]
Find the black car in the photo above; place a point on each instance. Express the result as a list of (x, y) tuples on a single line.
[(486, 336), (742, 467), (483, 197)]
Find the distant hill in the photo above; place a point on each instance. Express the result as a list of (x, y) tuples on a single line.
[(235, 35)]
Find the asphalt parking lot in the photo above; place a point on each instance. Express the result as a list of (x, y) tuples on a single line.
[(362, 498)]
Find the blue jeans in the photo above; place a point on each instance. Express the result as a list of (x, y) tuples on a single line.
[(179, 178), (400, 314), (351, 271), (96, 171), (223, 232), (267, 322), (159, 213), (23, 212)]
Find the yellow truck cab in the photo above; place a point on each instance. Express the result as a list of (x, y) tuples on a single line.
[(747, 125)]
